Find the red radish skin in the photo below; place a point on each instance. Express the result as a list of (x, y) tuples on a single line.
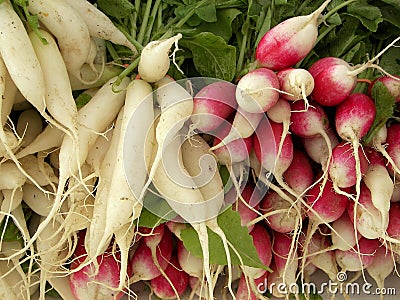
[(259, 284), (342, 169), (392, 84), (212, 105), (333, 81), (393, 144), (358, 258), (289, 42), (252, 197), (234, 151), (284, 222), (180, 280), (393, 229), (262, 243), (299, 176), (143, 265), (98, 280), (258, 90)]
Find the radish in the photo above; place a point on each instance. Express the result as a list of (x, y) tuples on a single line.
[(244, 293), (212, 105), (279, 214), (234, 151), (249, 207), (391, 83), (378, 181), (97, 280), (357, 260), (99, 24), (151, 69), (296, 84), (146, 267), (70, 30), (394, 221), (367, 219), (285, 256), (243, 126), (179, 281), (393, 146), (191, 264), (342, 169), (342, 235), (300, 175), (381, 267), (258, 90), (289, 42), (311, 122)]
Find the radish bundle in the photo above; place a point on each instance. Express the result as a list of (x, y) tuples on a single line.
[(185, 145)]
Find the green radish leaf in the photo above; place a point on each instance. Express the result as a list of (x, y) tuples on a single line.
[(116, 8), (11, 232), (391, 15), (369, 15), (155, 211), (207, 12), (223, 26), (212, 56), (238, 236), (384, 105), (82, 100), (390, 61), (394, 3)]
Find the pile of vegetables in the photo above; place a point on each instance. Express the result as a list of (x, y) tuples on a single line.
[(180, 144)]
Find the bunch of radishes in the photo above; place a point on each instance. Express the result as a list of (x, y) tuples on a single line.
[(83, 173)]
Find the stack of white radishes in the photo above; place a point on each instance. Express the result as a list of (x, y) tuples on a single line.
[(331, 202)]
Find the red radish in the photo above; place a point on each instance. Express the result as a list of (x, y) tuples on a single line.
[(318, 253), (279, 214), (163, 289), (342, 235), (243, 126), (144, 265), (295, 84), (267, 152), (381, 267), (258, 90), (335, 79), (262, 243), (284, 249), (299, 176), (379, 142), (212, 105), (392, 84), (366, 218), (393, 144), (290, 41), (342, 169), (248, 210), (396, 192), (317, 149), (92, 281), (256, 285), (311, 122), (357, 259), (234, 151), (393, 229), (191, 264)]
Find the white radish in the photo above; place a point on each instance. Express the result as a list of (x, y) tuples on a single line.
[(99, 25), (154, 58), (69, 28)]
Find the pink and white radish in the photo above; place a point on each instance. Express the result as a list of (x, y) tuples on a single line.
[(391, 83), (248, 209), (342, 235), (179, 281), (295, 84), (393, 145), (258, 90), (191, 264), (212, 105), (290, 41)]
